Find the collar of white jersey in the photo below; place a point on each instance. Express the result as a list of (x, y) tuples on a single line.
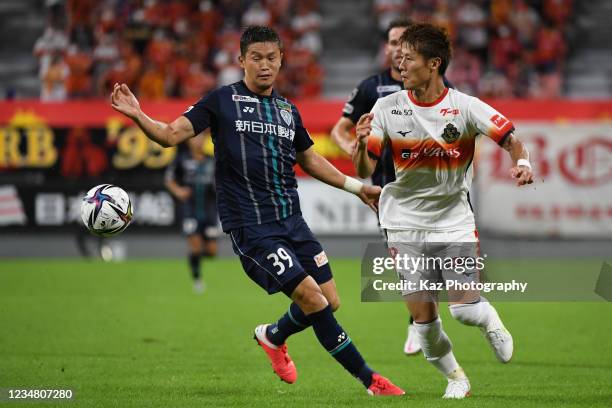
[(428, 104)]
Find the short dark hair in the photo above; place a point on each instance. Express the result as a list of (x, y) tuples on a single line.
[(429, 41), (398, 22), (257, 34)]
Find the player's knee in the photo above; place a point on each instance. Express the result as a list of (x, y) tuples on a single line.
[(423, 312), (309, 298), (313, 301)]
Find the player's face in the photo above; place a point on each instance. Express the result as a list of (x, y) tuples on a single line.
[(415, 69), (393, 48), (261, 65)]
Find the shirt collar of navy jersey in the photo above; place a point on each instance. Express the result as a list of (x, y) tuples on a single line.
[(274, 94)]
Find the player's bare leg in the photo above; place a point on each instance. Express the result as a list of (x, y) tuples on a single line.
[(436, 346), (210, 248), (472, 309), (330, 292)]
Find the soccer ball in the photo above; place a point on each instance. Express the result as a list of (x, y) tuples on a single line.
[(106, 210)]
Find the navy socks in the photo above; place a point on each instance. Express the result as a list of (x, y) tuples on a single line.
[(194, 264), (339, 344), (294, 321)]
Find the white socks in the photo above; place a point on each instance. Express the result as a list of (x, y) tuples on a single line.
[(436, 346), (480, 314)]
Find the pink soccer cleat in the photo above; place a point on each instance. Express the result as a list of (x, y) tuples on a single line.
[(282, 364), (382, 386)]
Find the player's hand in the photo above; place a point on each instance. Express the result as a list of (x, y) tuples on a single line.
[(364, 128), (370, 195), (183, 193), (522, 175), (124, 101)]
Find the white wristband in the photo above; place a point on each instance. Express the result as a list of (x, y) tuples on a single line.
[(523, 162), (352, 185)]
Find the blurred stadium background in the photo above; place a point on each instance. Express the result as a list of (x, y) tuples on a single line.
[(544, 63), (129, 334)]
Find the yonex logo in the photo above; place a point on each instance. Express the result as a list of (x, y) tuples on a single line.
[(248, 109)]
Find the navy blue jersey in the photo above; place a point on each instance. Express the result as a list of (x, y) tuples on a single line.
[(199, 176), (361, 101), (256, 139)]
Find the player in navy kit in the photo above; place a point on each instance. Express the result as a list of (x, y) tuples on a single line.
[(259, 136), (190, 179)]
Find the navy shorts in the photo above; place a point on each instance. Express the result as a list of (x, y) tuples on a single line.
[(207, 229), (207, 225), (280, 254)]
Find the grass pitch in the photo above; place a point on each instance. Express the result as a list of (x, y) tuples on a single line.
[(134, 334)]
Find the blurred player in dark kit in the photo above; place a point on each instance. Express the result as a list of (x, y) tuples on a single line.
[(191, 180)]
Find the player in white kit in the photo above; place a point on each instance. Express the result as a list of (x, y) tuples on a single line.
[(432, 131)]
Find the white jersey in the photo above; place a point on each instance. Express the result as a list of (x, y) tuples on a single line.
[(433, 148)]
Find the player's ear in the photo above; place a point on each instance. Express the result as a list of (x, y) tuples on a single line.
[(434, 63), (241, 61)]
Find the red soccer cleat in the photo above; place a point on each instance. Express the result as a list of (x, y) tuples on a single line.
[(282, 364), (382, 386)]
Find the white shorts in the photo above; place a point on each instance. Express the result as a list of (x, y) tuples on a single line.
[(430, 261)]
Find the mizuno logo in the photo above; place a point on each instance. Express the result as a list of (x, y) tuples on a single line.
[(404, 133)]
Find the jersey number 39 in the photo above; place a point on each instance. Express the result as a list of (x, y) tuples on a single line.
[(277, 260)]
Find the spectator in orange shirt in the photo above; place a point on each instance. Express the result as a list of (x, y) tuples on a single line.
[(79, 81), (152, 84), (160, 49), (133, 62), (500, 12)]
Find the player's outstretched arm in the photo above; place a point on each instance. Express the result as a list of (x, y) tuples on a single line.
[(318, 167), (364, 165), (124, 101), (521, 171), (341, 135)]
